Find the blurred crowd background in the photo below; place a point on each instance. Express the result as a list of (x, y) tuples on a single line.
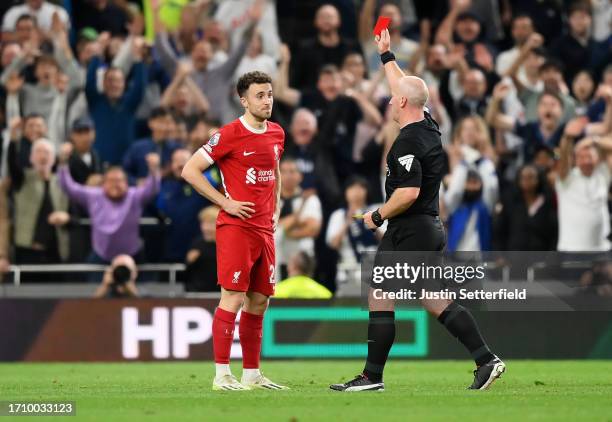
[(102, 102)]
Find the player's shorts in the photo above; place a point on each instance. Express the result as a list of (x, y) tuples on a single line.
[(245, 260)]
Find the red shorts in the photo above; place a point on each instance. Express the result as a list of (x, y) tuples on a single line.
[(245, 260)]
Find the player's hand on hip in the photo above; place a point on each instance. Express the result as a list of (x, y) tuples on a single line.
[(367, 219), (383, 41), (239, 209)]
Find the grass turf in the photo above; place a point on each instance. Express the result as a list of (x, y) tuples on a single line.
[(428, 391)]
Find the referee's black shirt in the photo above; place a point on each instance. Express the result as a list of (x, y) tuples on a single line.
[(416, 159)]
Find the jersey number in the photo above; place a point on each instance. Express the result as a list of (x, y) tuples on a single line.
[(272, 281)]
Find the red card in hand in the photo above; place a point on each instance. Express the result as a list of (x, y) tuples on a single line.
[(381, 24)]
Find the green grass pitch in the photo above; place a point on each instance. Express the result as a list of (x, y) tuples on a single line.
[(416, 391)]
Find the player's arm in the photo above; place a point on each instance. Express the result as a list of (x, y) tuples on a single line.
[(192, 173)]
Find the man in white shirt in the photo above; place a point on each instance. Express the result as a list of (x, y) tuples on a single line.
[(300, 218), (42, 11), (582, 192)]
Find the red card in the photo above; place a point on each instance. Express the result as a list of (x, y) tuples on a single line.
[(381, 24)]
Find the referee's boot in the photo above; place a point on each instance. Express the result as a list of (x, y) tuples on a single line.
[(485, 374), (360, 383)]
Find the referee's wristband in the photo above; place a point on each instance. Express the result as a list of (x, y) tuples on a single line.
[(377, 218), (387, 57)]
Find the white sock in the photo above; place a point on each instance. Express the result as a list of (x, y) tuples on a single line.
[(250, 373), (222, 369)]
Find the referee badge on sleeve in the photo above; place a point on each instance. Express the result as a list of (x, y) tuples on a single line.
[(406, 161)]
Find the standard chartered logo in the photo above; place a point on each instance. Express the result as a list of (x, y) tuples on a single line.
[(251, 176)]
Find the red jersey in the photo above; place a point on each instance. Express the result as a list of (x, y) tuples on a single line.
[(247, 159)]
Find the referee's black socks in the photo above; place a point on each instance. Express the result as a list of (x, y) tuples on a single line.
[(381, 334), (461, 324)]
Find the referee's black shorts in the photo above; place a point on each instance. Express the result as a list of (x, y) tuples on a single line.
[(415, 233), (422, 235)]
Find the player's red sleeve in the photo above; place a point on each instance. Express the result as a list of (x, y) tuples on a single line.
[(218, 146)]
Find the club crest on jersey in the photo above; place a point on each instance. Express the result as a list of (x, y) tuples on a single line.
[(236, 277), (406, 161), (214, 140)]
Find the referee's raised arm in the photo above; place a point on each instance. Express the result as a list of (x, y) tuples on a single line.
[(392, 70)]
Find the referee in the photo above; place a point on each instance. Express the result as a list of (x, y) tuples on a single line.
[(414, 172)]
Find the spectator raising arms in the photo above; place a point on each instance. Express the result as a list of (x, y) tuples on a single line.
[(113, 110), (115, 209)]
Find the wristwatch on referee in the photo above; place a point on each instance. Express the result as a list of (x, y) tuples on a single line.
[(377, 218)]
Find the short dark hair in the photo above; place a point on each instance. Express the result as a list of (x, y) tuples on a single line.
[(357, 180), (251, 78), (551, 64), (549, 93), (159, 112), (111, 169), (33, 116), (522, 16), (25, 17), (329, 69), (580, 6), (46, 59)]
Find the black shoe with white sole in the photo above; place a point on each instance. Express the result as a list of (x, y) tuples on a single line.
[(360, 383), (485, 375)]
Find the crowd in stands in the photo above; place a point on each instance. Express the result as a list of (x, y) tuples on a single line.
[(102, 102)]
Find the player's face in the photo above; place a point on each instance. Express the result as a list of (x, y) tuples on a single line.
[(259, 100)]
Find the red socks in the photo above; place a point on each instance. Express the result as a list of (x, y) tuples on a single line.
[(250, 331), (223, 334)]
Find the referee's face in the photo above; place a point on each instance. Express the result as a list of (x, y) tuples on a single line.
[(396, 103), (259, 100)]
